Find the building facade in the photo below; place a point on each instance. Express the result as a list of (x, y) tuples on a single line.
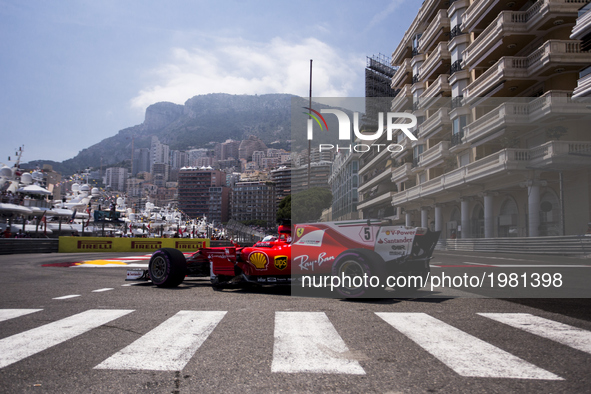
[(500, 147), (193, 189), (344, 183), (115, 178), (254, 201)]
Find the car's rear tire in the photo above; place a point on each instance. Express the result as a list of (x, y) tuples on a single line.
[(352, 264), (167, 267)]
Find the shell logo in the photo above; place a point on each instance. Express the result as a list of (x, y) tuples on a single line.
[(259, 260)]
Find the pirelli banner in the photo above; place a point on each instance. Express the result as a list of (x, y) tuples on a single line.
[(101, 244)]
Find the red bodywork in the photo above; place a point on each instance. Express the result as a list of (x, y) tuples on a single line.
[(315, 247)]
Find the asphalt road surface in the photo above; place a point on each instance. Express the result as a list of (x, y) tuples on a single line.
[(85, 330)]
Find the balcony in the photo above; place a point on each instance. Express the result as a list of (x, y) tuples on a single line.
[(506, 115), (456, 139), (437, 89), (402, 173), (553, 56), (437, 63), (583, 88), (373, 160), (554, 154), (406, 144), (434, 156), (522, 115), (437, 31), (382, 175), (403, 75), (481, 13), (378, 200), (455, 31), (436, 123), (583, 24), (512, 30), (403, 99)]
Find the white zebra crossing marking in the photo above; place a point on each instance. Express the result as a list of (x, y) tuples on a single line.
[(66, 297), (462, 352), (168, 347), (25, 344), (574, 337), (6, 314), (308, 342)]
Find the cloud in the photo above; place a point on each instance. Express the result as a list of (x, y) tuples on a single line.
[(382, 15), (245, 67)]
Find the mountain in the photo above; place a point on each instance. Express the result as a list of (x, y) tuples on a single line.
[(202, 120)]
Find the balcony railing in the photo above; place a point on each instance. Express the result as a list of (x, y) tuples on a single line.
[(456, 138), (434, 64), (439, 25), (551, 54), (455, 31), (457, 102), (455, 66), (435, 154), (401, 75), (402, 172), (434, 122)]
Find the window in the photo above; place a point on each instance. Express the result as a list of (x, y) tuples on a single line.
[(459, 123)]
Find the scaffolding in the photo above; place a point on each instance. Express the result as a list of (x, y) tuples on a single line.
[(378, 77)]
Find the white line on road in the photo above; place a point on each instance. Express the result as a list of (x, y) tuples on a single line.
[(483, 257), (168, 347), (133, 284), (25, 344), (462, 352), (308, 342), (66, 297), (6, 314), (574, 337), (101, 290)]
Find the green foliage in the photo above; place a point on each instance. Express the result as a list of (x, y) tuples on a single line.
[(284, 209), (307, 205)]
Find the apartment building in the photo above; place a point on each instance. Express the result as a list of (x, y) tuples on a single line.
[(194, 189), (501, 148), (344, 183), (254, 201)]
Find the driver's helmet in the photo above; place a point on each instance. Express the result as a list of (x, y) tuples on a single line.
[(269, 238)]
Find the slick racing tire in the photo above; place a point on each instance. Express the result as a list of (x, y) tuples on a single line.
[(167, 267), (354, 265)]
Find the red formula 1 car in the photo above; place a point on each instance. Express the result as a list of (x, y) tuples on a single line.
[(318, 251)]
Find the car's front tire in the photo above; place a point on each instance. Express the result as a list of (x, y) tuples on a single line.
[(167, 267)]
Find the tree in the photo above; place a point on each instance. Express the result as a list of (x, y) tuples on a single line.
[(284, 211), (307, 205)]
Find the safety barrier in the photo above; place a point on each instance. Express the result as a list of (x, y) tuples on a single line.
[(557, 246), (28, 245), (109, 244)]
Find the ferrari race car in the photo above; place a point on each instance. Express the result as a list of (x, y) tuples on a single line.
[(313, 252)]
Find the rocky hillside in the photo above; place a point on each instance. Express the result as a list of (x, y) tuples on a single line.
[(203, 120)]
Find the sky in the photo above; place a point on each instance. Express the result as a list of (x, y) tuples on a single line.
[(76, 72)]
